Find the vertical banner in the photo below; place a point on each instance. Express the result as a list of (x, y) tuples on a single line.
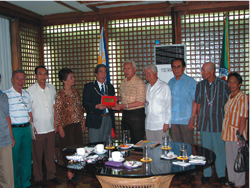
[(225, 59), (103, 59), (103, 54)]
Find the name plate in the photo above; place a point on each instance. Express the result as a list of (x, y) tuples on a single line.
[(109, 101)]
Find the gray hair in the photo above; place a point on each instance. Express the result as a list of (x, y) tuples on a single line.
[(130, 61), (18, 71), (153, 68)]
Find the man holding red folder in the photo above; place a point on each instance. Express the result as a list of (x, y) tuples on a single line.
[(100, 119)]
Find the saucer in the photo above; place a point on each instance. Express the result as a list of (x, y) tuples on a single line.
[(169, 156), (100, 153), (122, 159), (132, 164)]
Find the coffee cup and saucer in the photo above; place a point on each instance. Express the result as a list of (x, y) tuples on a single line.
[(81, 151), (99, 149), (116, 157)]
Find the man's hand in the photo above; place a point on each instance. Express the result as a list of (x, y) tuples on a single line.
[(165, 127), (119, 107), (191, 123), (100, 106), (61, 132), (13, 141), (83, 127), (119, 99)]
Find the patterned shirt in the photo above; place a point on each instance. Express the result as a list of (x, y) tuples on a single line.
[(133, 90), (235, 108), (212, 99), (68, 108), (19, 106)]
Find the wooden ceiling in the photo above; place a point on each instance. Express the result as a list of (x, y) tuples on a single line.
[(117, 9)]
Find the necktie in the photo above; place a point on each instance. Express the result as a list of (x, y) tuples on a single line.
[(102, 92)]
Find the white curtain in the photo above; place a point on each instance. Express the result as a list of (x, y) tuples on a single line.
[(5, 54)]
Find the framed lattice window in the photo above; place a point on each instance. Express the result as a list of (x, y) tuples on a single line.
[(73, 46), (30, 54), (203, 33), (134, 39)]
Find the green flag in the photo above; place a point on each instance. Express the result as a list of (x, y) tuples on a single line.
[(225, 59)]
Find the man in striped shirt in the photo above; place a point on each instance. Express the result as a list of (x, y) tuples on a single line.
[(20, 115), (210, 98)]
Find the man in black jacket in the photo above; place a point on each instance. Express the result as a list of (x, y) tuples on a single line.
[(99, 119)]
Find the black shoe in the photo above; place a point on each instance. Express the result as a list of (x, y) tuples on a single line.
[(73, 180), (205, 179), (230, 184), (223, 180), (38, 184), (56, 180), (31, 186)]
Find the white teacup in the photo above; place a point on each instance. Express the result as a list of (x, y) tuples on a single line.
[(99, 148), (116, 156), (80, 151)]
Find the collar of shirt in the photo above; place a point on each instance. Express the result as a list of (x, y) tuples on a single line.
[(214, 82), (12, 88), (131, 79), (156, 83), (181, 79), (38, 86), (100, 85)]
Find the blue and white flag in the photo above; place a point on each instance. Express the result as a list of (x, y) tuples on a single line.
[(103, 54)]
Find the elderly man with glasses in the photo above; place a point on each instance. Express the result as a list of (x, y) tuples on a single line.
[(21, 116)]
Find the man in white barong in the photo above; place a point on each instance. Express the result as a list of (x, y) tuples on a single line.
[(158, 105)]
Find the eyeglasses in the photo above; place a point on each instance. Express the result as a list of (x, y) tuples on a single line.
[(22, 101), (176, 67)]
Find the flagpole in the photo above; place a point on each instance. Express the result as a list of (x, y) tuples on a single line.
[(227, 39), (225, 57)]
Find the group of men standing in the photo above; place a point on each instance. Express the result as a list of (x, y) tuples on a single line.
[(174, 104), (28, 111)]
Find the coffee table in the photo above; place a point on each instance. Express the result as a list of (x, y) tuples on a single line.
[(158, 173)]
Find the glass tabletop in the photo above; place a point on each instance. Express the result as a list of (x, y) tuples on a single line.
[(158, 165)]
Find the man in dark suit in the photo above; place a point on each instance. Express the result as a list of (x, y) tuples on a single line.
[(99, 119)]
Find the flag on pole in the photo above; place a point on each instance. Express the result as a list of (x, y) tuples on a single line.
[(103, 59), (103, 54), (225, 59)]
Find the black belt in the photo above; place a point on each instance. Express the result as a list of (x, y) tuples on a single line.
[(21, 125), (107, 114)]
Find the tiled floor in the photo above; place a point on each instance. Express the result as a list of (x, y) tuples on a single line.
[(181, 181)]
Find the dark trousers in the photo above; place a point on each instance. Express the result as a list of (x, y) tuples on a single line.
[(134, 120), (73, 136), (44, 145)]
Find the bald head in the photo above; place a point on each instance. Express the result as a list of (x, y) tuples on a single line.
[(208, 71), (210, 66)]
